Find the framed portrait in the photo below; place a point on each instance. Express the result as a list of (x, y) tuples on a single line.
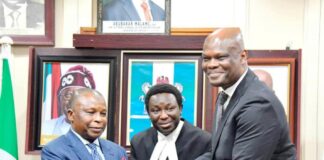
[(54, 75), (142, 70), (28, 22), (133, 17), (283, 72), (281, 76), (283, 68)]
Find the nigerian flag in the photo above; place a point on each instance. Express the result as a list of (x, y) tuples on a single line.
[(8, 133)]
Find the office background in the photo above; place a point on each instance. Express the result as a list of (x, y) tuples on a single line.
[(266, 24)]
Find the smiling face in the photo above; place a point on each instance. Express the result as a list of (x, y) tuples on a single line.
[(164, 112), (224, 60), (88, 114)]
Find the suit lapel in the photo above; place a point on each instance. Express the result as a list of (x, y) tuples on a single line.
[(214, 127), (154, 11), (238, 93), (130, 10), (150, 142), (77, 146), (106, 150)]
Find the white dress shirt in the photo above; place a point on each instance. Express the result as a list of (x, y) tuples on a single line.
[(85, 142)]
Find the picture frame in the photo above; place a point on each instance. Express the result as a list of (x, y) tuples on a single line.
[(102, 72), (37, 29), (142, 69), (285, 68), (281, 72), (191, 31), (128, 17)]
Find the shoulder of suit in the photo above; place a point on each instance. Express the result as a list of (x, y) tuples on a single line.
[(60, 141), (196, 131), (145, 133), (143, 136), (110, 144)]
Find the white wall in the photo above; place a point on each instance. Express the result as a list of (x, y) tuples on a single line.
[(312, 82), (266, 24)]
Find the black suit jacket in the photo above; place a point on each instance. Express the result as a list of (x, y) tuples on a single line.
[(34, 11), (254, 126), (191, 143)]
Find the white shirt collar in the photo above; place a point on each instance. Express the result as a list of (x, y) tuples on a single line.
[(84, 141), (230, 90), (165, 147)]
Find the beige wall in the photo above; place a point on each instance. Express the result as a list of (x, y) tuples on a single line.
[(266, 24)]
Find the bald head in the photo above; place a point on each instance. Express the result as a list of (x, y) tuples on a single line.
[(85, 93), (224, 57), (225, 37), (264, 76)]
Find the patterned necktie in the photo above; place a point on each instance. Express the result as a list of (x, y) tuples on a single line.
[(222, 97), (94, 152), (146, 11)]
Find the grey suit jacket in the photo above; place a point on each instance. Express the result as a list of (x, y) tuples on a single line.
[(69, 146), (35, 14), (191, 143), (124, 10), (254, 126)]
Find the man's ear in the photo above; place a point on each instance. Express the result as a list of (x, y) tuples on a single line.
[(244, 56), (70, 114)]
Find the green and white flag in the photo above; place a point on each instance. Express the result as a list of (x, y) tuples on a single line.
[(8, 132)]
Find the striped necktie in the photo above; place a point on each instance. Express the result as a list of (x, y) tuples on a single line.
[(94, 152)]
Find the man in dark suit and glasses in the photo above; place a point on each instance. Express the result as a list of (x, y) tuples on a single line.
[(253, 123)]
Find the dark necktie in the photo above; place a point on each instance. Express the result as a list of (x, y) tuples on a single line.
[(221, 99), (94, 152)]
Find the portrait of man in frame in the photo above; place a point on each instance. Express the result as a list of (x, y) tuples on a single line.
[(134, 16), (60, 80), (280, 81)]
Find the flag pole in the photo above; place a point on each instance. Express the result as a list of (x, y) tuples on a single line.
[(5, 52), (8, 134)]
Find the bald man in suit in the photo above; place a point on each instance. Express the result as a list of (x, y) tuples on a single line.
[(88, 117), (250, 122)]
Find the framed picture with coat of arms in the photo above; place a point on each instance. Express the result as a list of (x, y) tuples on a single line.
[(142, 70)]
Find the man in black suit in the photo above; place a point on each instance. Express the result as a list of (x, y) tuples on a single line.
[(170, 137), (21, 14), (250, 121)]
